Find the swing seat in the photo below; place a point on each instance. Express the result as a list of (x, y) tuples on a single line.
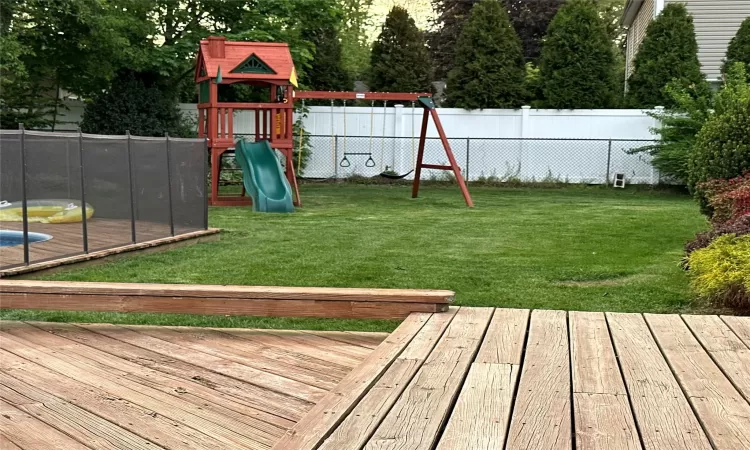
[(392, 176)]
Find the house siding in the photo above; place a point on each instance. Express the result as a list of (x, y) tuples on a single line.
[(637, 31), (716, 23)]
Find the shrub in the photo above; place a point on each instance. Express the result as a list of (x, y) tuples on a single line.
[(722, 147), (668, 52), (728, 199), (577, 66), (721, 272), (489, 70), (738, 227), (131, 104), (739, 48)]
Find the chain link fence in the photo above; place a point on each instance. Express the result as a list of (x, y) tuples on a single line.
[(82, 193), (587, 161)]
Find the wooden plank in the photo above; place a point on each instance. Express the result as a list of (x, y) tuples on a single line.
[(726, 349), (6, 444), (359, 425), (740, 326), (415, 420), (30, 433), (542, 412), (661, 410), (139, 420), (221, 425), (363, 339), (723, 412), (603, 418), (215, 306), (503, 343), (222, 291), (333, 408), (259, 392), (481, 415), (70, 419)]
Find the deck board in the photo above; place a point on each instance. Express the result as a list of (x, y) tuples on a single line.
[(467, 379)]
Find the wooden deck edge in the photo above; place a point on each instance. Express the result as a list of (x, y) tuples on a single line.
[(166, 243), (266, 301), (438, 297)]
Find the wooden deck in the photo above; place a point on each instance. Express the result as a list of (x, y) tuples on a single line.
[(100, 386), (106, 237), (469, 378), (484, 378)]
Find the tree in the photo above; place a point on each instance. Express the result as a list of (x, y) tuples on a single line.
[(577, 66), (451, 15), (354, 41), (668, 52), (722, 147), (326, 72), (400, 61), (531, 19), (739, 47), (489, 70), (134, 104)]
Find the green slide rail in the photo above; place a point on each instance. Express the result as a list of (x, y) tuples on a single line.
[(263, 177)]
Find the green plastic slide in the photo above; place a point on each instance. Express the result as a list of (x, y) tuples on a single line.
[(263, 177)]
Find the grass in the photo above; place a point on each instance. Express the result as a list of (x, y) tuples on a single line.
[(575, 248)]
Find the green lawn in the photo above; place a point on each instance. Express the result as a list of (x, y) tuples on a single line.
[(573, 248)]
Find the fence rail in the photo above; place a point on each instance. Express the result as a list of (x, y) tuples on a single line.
[(116, 190), (591, 161)]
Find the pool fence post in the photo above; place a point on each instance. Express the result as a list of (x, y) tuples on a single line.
[(24, 204), (466, 173), (169, 185), (84, 219), (132, 189), (609, 161)]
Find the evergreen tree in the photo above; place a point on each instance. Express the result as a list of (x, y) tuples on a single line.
[(577, 67), (531, 19), (451, 15), (489, 71), (400, 61), (326, 72), (739, 47), (668, 52)]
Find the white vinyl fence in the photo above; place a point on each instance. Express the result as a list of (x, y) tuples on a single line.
[(580, 146)]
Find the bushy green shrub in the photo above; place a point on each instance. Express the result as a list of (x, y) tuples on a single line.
[(720, 273), (722, 147), (132, 105), (669, 52), (489, 69), (577, 66), (738, 227)]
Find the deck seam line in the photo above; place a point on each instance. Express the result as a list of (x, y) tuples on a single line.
[(679, 383), (311, 333), (574, 445), (716, 363), (624, 382), (518, 379)]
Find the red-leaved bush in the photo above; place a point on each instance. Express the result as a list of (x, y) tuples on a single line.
[(729, 199)]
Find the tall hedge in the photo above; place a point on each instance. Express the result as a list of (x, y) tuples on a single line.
[(668, 52), (400, 61), (722, 147), (133, 104), (577, 66), (739, 47), (489, 70), (326, 71)]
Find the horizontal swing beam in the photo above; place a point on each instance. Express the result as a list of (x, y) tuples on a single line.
[(343, 95)]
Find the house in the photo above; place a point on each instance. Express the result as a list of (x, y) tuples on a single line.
[(716, 22)]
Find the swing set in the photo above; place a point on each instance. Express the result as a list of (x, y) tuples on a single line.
[(270, 65)]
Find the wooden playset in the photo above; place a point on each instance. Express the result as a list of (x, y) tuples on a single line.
[(270, 65)]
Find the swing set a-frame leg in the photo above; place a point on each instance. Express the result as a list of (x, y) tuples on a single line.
[(429, 110)]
